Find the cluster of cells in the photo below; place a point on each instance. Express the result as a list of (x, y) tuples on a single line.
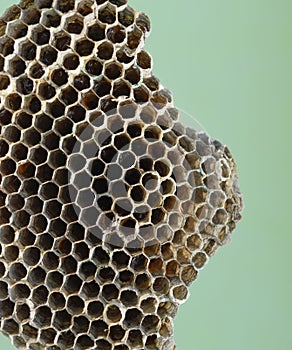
[(109, 206)]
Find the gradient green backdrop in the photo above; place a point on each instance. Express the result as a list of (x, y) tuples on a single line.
[(228, 63)]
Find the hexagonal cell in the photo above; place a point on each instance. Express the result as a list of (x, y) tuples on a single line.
[(48, 55), (151, 82), (105, 50), (65, 5), (75, 305), (113, 313), (74, 24), (6, 46), (95, 309), (40, 35), (90, 100), (71, 61), (31, 15), (148, 114), (4, 82), (180, 293), (87, 271), (13, 101), (133, 75), (144, 60), (113, 70), (62, 41), (90, 290), (69, 95), (33, 104), (134, 38), (82, 82), (127, 16), (143, 22), (100, 329), (60, 76), (84, 47), (116, 34), (121, 88), (133, 318), (107, 14), (5, 117), (27, 50), (85, 7), (17, 29), (51, 18)]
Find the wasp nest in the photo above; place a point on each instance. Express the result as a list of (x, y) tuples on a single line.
[(109, 207)]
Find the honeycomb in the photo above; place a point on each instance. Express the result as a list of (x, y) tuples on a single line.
[(109, 206)]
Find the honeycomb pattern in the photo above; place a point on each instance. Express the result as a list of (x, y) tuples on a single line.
[(109, 206)]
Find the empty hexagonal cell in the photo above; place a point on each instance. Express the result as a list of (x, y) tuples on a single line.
[(48, 55), (108, 105), (33, 103), (90, 290), (121, 88), (113, 313), (82, 82), (90, 100), (48, 335), (22, 312), (26, 237), (31, 256), (96, 32), (105, 50), (17, 29), (26, 170), (31, 15), (74, 24), (40, 35), (84, 47), (13, 101), (133, 318), (11, 184), (110, 291), (116, 34), (5, 117), (60, 76), (143, 22), (200, 260), (134, 38), (126, 17), (100, 329), (95, 309), (4, 82), (51, 19), (107, 14), (71, 61), (75, 305), (27, 50), (161, 285), (10, 327), (11, 253), (6, 45), (87, 270), (24, 120), (65, 5), (62, 41), (148, 114), (113, 70)]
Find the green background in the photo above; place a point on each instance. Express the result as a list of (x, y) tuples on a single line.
[(228, 63)]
